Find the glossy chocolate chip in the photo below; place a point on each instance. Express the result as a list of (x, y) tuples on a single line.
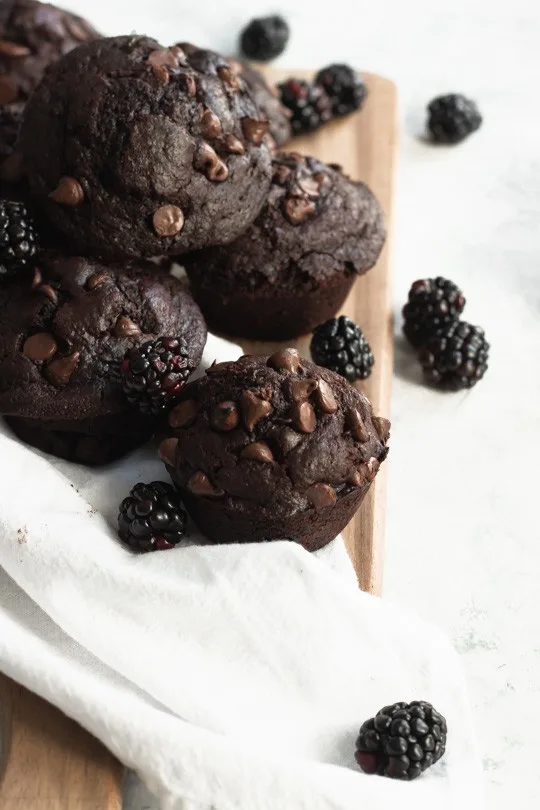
[(298, 209), (125, 327), (209, 162), (382, 426), (59, 372), (356, 426), (254, 130), (95, 280), (189, 84), (211, 125), (183, 414), (167, 451), (285, 360), (257, 451), (308, 185), (234, 145), (303, 389), (303, 417), (163, 57), (200, 484), (68, 192), (228, 77), (321, 495), (324, 398), (168, 220), (13, 50), (40, 347), (225, 416), (253, 409)]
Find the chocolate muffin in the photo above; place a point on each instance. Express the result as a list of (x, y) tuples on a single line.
[(273, 448), (138, 150), (293, 268), (63, 335), (267, 100)]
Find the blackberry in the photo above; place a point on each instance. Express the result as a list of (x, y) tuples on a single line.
[(309, 105), (264, 38), (402, 740), (18, 238), (452, 118), (345, 89), (456, 358), (434, 303), (340, 345), (154, 374), (151, 517)]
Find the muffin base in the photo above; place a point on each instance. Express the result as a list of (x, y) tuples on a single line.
[(269, 314)]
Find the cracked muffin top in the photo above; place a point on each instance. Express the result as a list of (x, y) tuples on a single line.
[(315, 222), (133, 149), (64, 332)]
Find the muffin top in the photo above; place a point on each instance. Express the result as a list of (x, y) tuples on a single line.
[(276, 432), (64, 333), (138, 150), (267, 100), (315, 221)]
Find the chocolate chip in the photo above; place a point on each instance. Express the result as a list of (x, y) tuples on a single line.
[(168, 220), (40, 347), (163, 57), (189, 83), (225, 416), (298, 209), (285, 360), (288, 439), (303, 417), (258, 451), (161, 73), (323, 181), (355, 424), (210, 163), (59, 372), (12, 168), (281, 174), (183, 414), (253, 409), (180, 54), (324, 397), (365, 473), (321, 495), (357, 479), (382, 426), (228, 77), (76, 30), (68, 192), (303, 389), (8, 90), (167, 451), (372, 468), (47, 290), (200, 484), (125, 327), (234, 145), (254, 130), (308, 185), (13, 50), (211, 125), (95, 280), (37, 278)]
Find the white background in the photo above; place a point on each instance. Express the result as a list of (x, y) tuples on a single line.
[(463, 544)]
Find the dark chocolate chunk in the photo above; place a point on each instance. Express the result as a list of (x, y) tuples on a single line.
[(68, 192), (257, 451), (40, 347), (253, 409), (285, 360), (225, 416)]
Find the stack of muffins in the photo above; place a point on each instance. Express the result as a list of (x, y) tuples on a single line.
[(124, 151)]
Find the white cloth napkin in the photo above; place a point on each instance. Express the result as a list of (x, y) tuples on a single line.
[(229, 677)]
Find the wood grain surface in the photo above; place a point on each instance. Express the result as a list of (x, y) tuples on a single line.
[(47, 762)]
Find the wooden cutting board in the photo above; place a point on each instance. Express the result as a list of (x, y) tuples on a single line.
[(47, 762)]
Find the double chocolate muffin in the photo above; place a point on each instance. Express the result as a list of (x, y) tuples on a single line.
[(267, 100), (293, 268), (63, 335), (135, 150), (273, 448)]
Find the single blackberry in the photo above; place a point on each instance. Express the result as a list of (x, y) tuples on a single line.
[(434, 303), (154, 374), (309, 105), (18, 238), (452, 118), (345, 89), (401, 740), (264, 38), (151, 517), (456, 358), (340, 345)]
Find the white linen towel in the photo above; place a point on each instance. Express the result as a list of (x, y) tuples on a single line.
[(229, 677)]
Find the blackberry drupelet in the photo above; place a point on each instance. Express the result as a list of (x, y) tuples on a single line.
[(309, 105), (345, 89), (151, 517), (18, 238), (456, 358), (340, 345), (264, 38), (402, 740), (154, 374), (434, 303), (452, 118)]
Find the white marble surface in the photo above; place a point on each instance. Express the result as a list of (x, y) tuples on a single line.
[(463, 546)]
